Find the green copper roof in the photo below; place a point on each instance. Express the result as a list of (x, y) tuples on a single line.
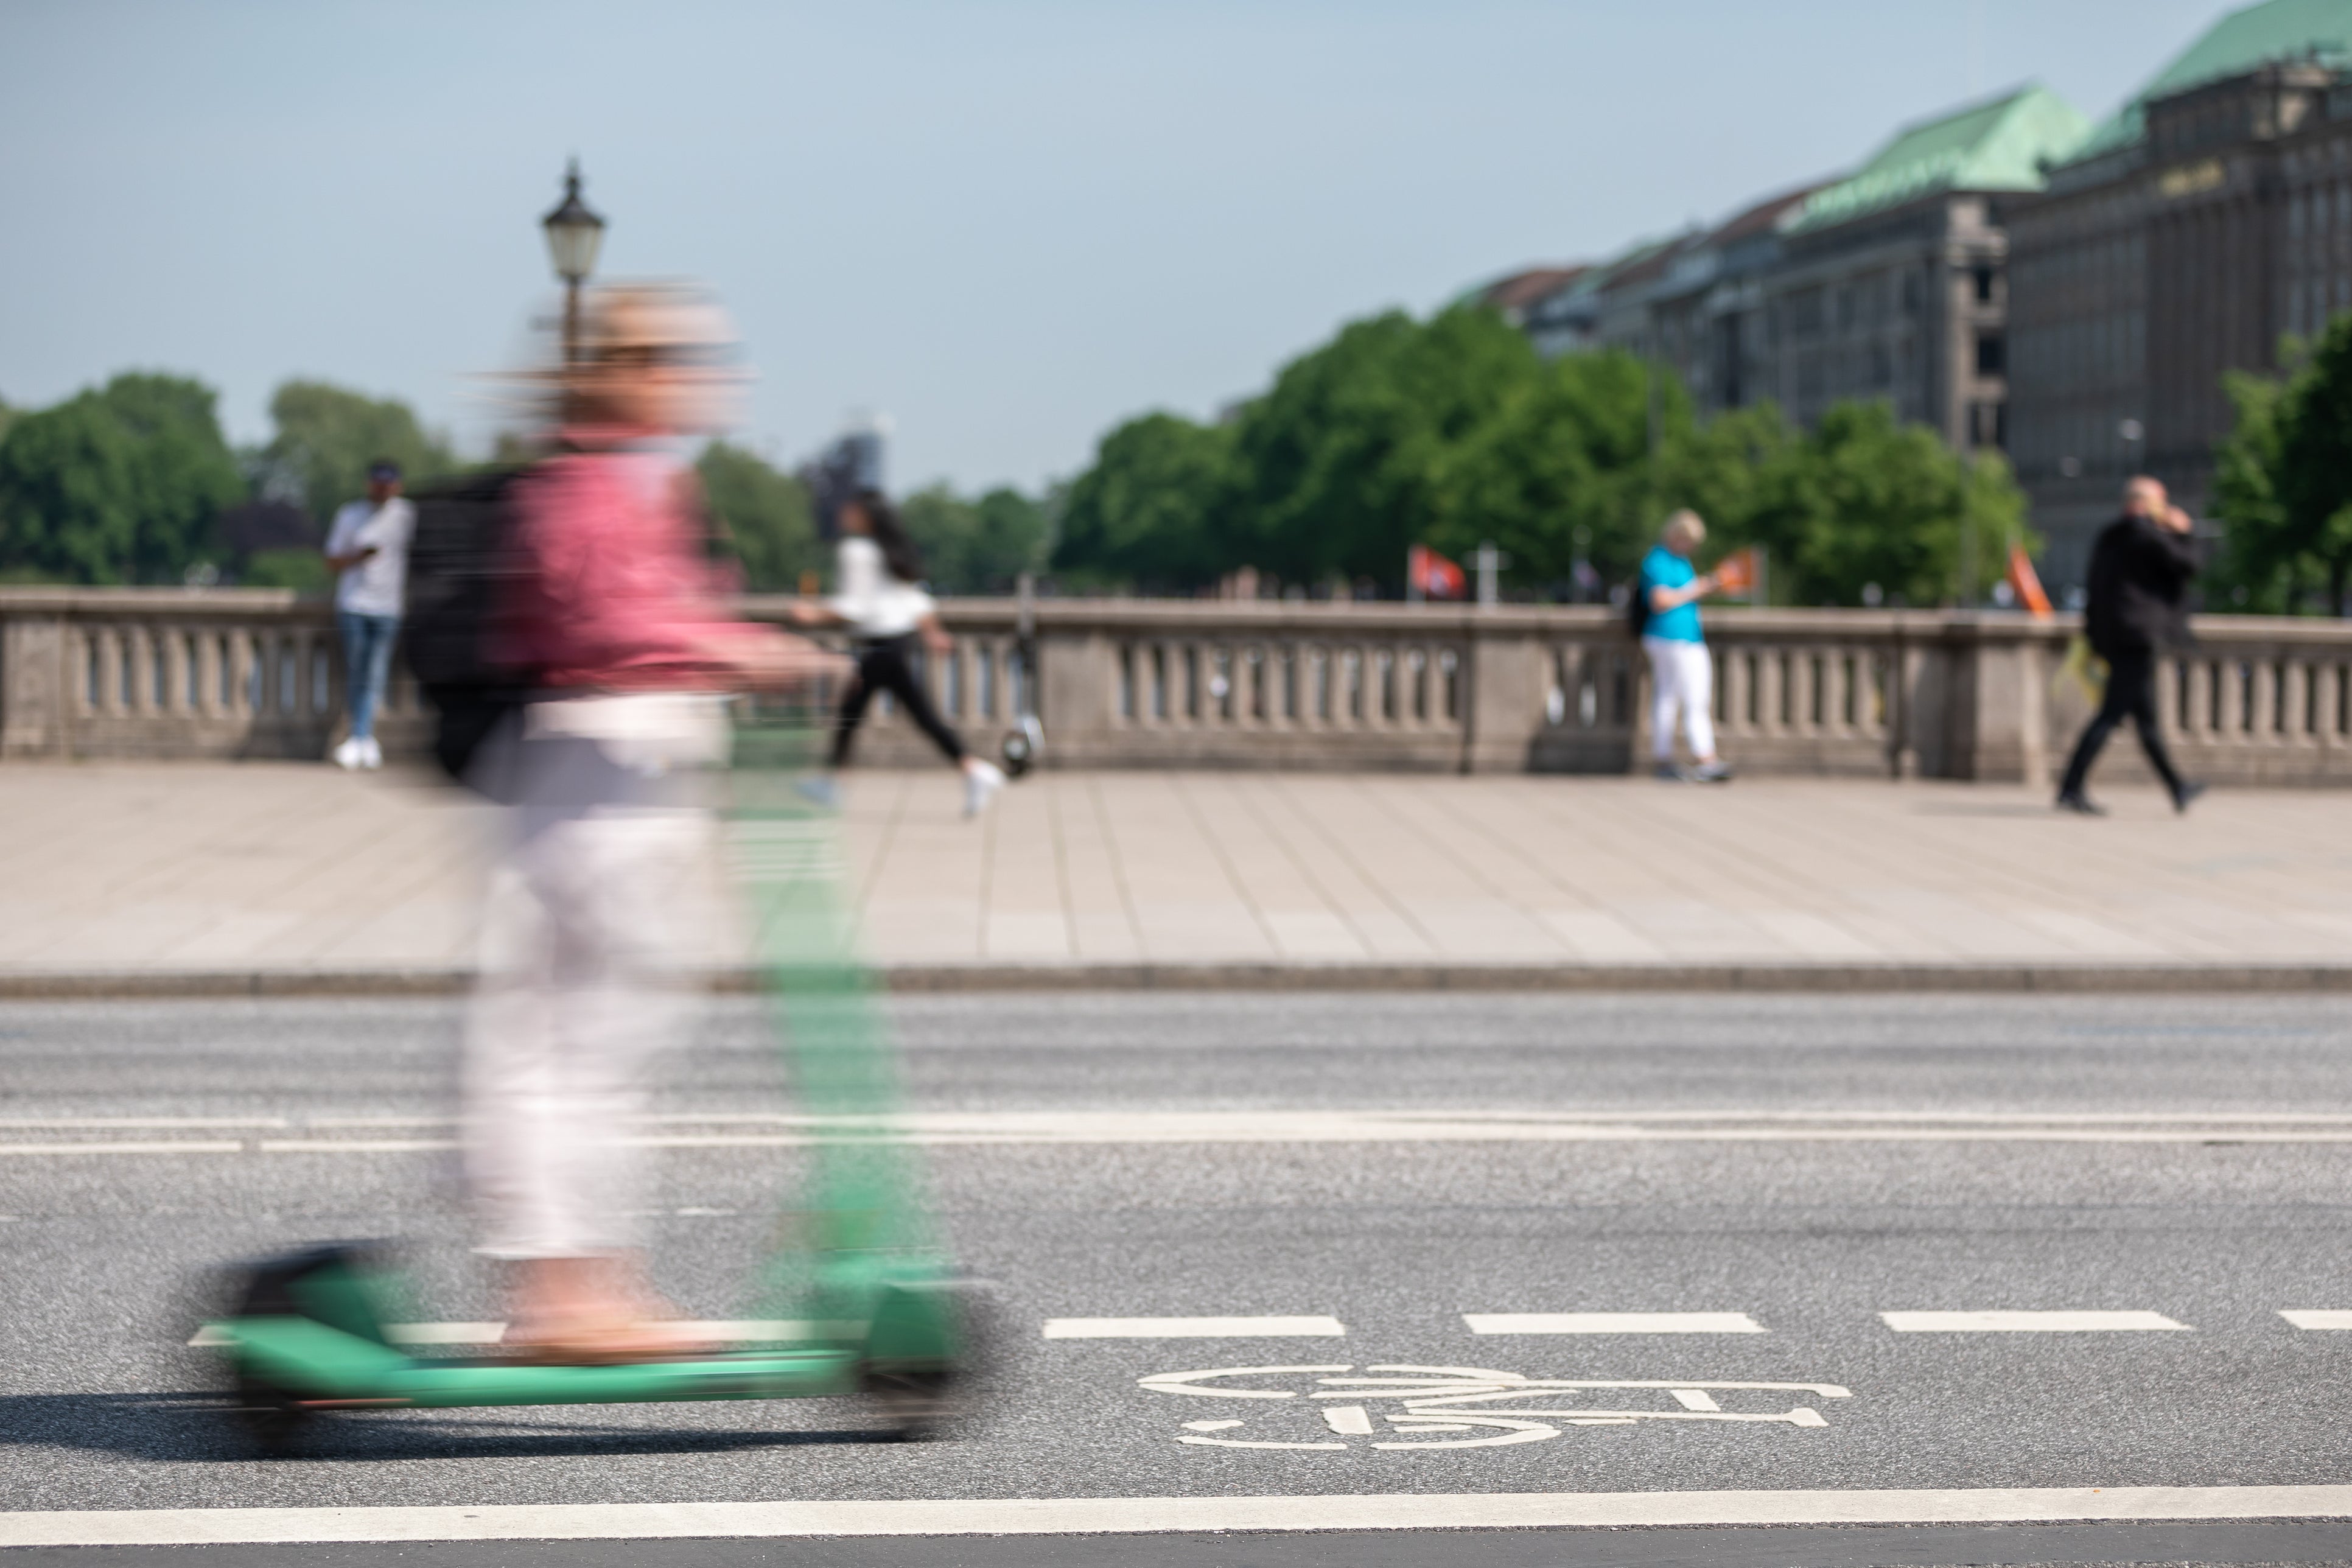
[(2274, 30), (1993, 146)]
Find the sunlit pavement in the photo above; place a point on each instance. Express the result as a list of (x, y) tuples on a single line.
[(254, 872)]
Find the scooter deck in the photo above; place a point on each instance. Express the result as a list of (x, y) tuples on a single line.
[(339, 1370)]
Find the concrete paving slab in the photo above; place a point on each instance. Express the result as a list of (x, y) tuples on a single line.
[(267, 876)]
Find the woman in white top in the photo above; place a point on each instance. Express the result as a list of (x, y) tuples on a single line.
[(877, 595)]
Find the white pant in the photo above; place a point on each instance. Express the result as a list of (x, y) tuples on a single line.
[(596, 913), (1682, 677)]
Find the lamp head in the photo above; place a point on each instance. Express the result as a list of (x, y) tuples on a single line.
[(574, 231)]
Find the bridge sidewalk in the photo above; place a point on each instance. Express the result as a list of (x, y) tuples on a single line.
[(270, 877)]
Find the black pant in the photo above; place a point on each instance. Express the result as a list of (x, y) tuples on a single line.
[(2131, 693), (888, 665)]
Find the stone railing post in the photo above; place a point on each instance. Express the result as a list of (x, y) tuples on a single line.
[(1077, 694), (1996, 721), (1505, 682), (36, 712)]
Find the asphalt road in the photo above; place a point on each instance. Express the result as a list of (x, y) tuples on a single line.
[(1391, 1163)]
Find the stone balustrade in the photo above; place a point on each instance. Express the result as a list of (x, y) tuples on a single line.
[(161, 673)]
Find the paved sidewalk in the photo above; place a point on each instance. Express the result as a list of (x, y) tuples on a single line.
[(275, 875)]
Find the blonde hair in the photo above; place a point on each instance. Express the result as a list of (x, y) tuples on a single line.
[(625, 327), (1685, 527)]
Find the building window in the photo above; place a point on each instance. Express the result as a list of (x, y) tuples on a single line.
[(1990, 353), (1805, 312), (1911, 293), (1988, 424), (1984, 285)]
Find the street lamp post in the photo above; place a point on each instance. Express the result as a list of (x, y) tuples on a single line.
[(575, 232)]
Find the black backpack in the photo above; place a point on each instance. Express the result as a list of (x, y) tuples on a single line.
[(462, 571), (1637, 606)]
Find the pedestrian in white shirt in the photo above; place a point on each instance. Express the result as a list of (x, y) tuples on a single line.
[(877, 571), (368, 548)]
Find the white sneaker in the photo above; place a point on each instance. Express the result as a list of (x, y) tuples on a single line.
[(351, 754), (980, 782), (370, 753)]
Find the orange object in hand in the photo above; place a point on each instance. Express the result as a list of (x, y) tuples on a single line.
[(1736, 573)]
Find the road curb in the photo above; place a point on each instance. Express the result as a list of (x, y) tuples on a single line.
[(1799, 979)]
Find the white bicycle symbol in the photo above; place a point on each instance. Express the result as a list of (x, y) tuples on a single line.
[(1422, 1401)]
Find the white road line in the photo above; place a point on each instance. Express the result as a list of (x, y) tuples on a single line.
[(728, 1330), (1193, 1328), (140, 1123), (2318, 1318), (354, 1145), (1826, 1116), (979, 1129), (161, 1146), (1072, 1516), (382, 1135), (2029, 1322), (1612, 1323)]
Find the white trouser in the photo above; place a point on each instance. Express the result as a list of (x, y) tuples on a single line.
[(596, 912), (1682, 678)]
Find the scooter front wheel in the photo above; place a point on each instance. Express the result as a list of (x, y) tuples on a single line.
[(916, 1403)]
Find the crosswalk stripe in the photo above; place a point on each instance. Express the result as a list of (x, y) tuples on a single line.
[(2007, 1323), (1193, 1328), (1612, 1323), (2318, 1318), (1070, 1516)]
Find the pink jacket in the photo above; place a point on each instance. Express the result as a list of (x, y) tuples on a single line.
[(615, 594)]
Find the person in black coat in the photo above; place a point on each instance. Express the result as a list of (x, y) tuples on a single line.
[(2140, 568)]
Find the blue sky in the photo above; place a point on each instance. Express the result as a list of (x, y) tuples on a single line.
[(1009, 224)]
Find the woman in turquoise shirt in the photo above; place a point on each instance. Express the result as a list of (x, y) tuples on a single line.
[(1682, 673)]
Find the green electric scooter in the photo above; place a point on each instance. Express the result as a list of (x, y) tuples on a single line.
[(857, 1298)]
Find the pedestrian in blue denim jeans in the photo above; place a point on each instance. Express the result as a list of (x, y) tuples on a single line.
[(368, 548)]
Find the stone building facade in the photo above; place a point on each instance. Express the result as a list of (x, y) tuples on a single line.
[(1892, 284), (2147, 272), (1884, 284)]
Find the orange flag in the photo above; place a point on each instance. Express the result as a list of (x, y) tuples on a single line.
[(2025, 582)]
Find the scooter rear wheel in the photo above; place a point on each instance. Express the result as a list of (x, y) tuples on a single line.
[(271, 1418)]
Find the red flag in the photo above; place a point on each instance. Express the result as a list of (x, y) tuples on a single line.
[(2025, 582), (1433, 574)]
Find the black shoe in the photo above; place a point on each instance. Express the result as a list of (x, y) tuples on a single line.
[(2080, 804), (2188, 792)]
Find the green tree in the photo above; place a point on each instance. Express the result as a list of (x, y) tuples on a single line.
[(2283, 484), (975, 545), (304, 571), (1864, 500), (116, 485), (1345, 462), (762, 516), (326, 437), (1149, 512), (2260, 567), (1586, 461)]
